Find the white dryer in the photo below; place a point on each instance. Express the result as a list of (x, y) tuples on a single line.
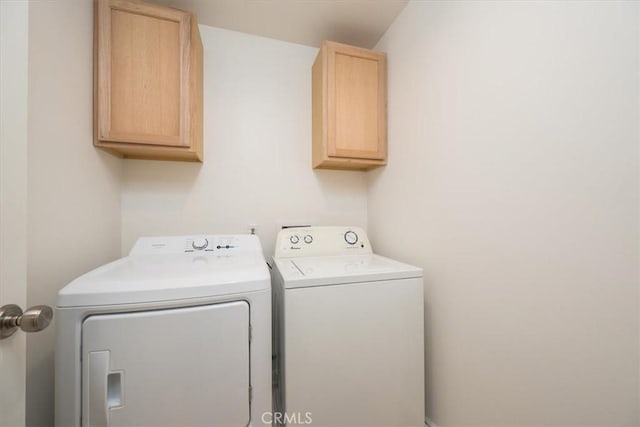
[(349, 332), (178, 333)]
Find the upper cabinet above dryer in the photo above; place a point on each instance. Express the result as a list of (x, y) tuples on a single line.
[(147, 81), (349, 108)]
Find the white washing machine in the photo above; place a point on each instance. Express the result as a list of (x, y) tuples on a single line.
[(348, 332), (178, 333)]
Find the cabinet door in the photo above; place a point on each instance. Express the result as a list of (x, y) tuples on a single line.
[(143, 57), (173, 367), (356, 103)]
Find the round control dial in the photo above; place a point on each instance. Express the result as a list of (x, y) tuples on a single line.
[(351, 237), (199, 243), (308, 238), (294, 239)]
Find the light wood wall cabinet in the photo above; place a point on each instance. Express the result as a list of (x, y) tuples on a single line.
[(349, 107), (147, 81)]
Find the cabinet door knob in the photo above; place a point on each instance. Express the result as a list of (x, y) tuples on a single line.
[(34, 319)]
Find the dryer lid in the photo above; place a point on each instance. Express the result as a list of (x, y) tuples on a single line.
[(335, 270), (171, 273)]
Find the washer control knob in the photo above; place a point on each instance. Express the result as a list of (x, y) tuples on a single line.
[(199, 243), (294, 239), (308, 238), (351, 237)]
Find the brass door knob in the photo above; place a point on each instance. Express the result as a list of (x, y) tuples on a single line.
[(34, 319)]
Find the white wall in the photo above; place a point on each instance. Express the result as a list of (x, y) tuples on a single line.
[(257, 168), (73, 199), (513, 181)]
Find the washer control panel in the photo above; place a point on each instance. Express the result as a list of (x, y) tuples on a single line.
[(321, 241)]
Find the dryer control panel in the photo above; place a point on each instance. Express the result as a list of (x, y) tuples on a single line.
[(321, 241), (217, 243)]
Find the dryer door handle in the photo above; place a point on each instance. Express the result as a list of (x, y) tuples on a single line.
[(96, 407)]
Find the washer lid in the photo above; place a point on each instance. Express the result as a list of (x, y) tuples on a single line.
[(164, 277), (335, 270)]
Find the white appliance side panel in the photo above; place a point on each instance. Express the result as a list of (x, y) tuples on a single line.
[(354, 354), (175, 367)]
